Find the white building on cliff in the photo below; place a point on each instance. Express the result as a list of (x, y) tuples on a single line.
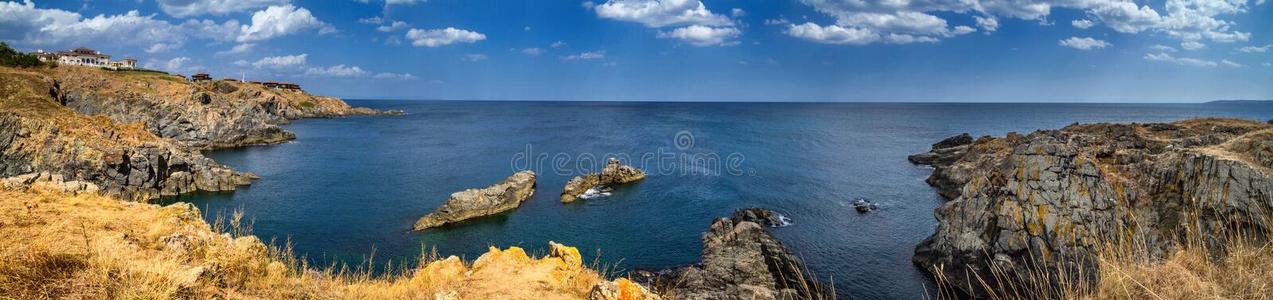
[(86, 57)]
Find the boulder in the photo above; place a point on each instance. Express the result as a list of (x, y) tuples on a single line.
[(472, 203), (613, 174)]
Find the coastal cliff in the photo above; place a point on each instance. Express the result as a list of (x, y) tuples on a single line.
[(1049, 202), (614, 173), (137, 135), (472, 203)]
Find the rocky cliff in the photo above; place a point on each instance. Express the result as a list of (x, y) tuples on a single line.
[(39, 135), (614, 173), (473, 203), (204, 115), (741, 260), (1045, 202)]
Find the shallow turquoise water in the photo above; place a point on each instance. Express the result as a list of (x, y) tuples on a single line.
[(351, 187)]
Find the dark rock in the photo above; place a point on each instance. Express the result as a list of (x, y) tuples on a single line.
[(864, 206), (762, 216)]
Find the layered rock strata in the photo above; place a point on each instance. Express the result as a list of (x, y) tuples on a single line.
[(472, 203), (1050, 200)]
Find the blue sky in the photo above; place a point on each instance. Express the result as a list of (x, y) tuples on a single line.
[(688, 50)]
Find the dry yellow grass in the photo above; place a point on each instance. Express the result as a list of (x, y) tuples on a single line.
[(54, 245)]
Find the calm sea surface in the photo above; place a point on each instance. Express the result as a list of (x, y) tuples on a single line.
[(350, 188)]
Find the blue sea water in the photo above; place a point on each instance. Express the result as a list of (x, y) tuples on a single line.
[(351, 188)]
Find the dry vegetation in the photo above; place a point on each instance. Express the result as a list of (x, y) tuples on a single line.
[(54, 245)]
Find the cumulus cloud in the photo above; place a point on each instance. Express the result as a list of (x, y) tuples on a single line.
[(298, 65), (1082, 23), (278, 21), (595, 55), (695, 24), (187, 8), (1192, 45), (1231, 64), (1084, 43), (336, 71), (161, 47), (987, 24), (442, 37), (1162, 48), (239, 49), (849, 35), (176, 64), (558, 44), (474, 57), (1186, 20), (702, 36), (281, 62)]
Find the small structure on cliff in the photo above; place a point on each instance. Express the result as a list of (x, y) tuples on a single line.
[(85, 57), (198, 77)]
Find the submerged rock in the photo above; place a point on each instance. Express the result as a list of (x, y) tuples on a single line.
[(614, 173), (741, 260), (472, 203), (1053, 198)]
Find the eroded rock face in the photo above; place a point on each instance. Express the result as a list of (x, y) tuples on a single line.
[(206, 115), (741, 260), (472, 203), (1060, 195), (614, 173)]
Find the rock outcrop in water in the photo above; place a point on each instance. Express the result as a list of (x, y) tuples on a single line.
[(614, 173), (473, 203), (741, 260), (1049, 200)]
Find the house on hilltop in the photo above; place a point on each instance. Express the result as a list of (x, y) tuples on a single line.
[(197, 77), (85, 57)]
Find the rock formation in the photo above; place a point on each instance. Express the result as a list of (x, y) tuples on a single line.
[(38, 135), (614, 173), (472, 203), (1049, 200), (741, 260)]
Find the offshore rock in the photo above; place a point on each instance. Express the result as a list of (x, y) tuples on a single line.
[(613, 174), (1054, 197), (741, 260), (473, 203)]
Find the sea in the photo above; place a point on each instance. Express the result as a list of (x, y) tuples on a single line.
[(347, 191)]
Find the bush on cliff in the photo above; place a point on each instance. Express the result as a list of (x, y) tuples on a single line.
[(13, 58)]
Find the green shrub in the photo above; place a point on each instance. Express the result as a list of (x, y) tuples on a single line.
[(13, 58)]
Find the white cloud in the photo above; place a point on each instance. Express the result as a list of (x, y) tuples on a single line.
[(1082, 23), (372, 21), (394, 76), (277, 21), (661, 13), (533, 51), (1184, 61), (281, 62), (474, 57), (336, 71), (442, 37), (558, 44), (1084, 43), (187, 8), (239, 49), (833, 34), (987, 24), (696, 24), (703, 36), (1192, 45), (778, 21), (1254, 49), (737, 12), (176, 64), (586, 56), (1267, 64), (24, 24), (1162, 48), (1186, 20), (1231, 64), (161, 47), (395, 26)]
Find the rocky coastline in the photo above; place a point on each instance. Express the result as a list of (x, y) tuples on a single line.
[(473, 203), (614, 173), (1049, 200), (137, 136), (741, 260)]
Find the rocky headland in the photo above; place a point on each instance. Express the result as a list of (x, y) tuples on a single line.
[(614, 173), (741, 260), (138, 135), (472, 203), (1048, 202)]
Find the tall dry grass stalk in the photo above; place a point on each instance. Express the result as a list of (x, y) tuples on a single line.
[(1212, 256)]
